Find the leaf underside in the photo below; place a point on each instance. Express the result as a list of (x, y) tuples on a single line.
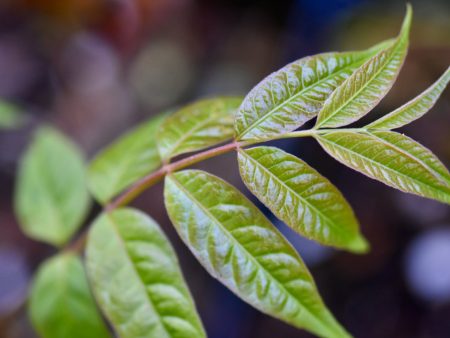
[(237, 245), (391, 158), (413, 109), (301, 197), (136, 278), (291, 96), (362, 91)]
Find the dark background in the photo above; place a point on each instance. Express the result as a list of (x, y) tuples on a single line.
[(94, 68)]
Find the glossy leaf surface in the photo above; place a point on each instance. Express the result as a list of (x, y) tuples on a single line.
[(51, 195), (362, 91), (393, 159), (61, 305), (197, 126), (237, 245), (136, 278), (124, 162), (415, 108), (288, 98), (301, 197)]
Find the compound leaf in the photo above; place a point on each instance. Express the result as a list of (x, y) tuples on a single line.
[(136, 278), (362, 91), (61, 305), (124, 162), (391, 158), (197, 126), (413, 109), (237, 245), (288, 98), (51, 197), (301, 197)]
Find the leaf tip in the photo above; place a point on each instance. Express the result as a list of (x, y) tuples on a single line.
[(406, 25), (359, 245)]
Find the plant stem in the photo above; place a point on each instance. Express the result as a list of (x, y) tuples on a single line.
[(151, 179), (313, 132), (146, 182)]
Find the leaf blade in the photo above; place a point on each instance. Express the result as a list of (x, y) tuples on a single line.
[(302, 87), (61, 305), (301, 197), (391, 158), (130, 158), (415, 108), (51, 199), (197, 126), (237, 245), (362, 91), (148, 296)]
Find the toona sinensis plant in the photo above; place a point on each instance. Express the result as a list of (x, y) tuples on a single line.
[(127, 262)]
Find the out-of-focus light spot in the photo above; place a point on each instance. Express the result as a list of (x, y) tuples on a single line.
[(420, 210), (427, 265), (161, 74), (88, 64), (226, 79), (18, 69), (13, 279)]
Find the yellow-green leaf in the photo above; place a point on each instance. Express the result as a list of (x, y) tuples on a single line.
[(237, 245), (391, 158), (197, 126), (125, 161), (61, 305), (415, 108), (301, 197), (51, 196), (288, 98), (136, 279), (362, 91)]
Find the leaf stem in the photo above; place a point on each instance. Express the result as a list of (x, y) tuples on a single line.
[(151, 179), (313, 132), (146, 182)]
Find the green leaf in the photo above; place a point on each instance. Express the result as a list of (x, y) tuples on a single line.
[(291, 96), (301, 197), (415, 108), (391, 158), (51, 197), (237, 245), (197, 126), (362, 91), (10, 117), (61, 305), (136, 278), (124, 162)]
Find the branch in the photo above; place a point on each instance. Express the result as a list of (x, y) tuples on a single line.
[(146, 182), (151, 179)]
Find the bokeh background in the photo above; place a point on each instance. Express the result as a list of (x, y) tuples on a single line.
[(94, 68)]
